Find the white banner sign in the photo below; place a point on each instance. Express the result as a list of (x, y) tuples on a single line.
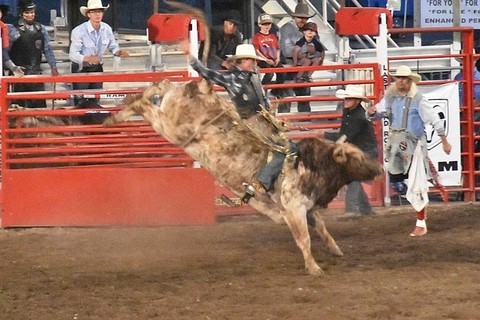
[(444, 99), (439, 13)]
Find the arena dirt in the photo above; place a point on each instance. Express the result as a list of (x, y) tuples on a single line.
[(246, 268)]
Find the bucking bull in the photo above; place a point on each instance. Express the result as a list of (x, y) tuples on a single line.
[(194, 117)]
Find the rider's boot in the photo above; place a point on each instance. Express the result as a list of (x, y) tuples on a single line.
[(253, 189)]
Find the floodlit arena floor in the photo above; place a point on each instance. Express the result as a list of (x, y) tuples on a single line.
[(246, 268)]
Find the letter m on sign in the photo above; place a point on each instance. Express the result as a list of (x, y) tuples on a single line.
[(447, 166)]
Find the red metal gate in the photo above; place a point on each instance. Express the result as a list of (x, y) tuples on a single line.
[(69, 173), (79, 174)]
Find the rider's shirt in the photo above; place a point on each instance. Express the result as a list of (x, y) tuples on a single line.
[(243, 87)]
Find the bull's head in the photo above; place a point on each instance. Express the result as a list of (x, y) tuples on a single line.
[(357, 164)]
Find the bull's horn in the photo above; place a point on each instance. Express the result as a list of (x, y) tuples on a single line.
[(342, 139)]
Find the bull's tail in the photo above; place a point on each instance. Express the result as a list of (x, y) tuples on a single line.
[(200, 16)]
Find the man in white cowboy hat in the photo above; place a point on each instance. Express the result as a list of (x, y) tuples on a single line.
[(408, 111), (242, 82), (89, 42), (359, 131), (290, 33), (28, 40)]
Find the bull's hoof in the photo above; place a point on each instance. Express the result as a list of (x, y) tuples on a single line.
[(315, 271), (336, 251)]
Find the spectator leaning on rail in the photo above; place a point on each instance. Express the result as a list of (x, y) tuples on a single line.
[(408, 111), (222, 44), (359, 131), (290, 33), (28, 40), (89, 41)]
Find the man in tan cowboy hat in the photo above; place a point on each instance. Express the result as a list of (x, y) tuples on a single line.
[(89, 41), (408, 112), (290, 33), (242, 82), (359, 131)]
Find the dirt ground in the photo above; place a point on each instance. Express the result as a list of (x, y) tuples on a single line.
[(246, 268)]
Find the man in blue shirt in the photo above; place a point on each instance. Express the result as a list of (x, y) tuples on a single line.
[(89, 41)]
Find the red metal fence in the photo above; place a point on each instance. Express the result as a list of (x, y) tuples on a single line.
[(79, 174), (68, 173)]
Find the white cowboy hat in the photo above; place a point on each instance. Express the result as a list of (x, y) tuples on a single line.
[(404, 71), (92, 5), (352, 91), (245, 51)]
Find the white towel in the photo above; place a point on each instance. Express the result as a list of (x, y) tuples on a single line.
[(417, 193)]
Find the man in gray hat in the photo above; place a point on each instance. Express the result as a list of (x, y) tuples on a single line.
[(290, 33)]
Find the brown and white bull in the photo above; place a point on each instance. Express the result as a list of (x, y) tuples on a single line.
[(191, 115)]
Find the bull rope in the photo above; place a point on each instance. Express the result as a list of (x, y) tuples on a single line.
[(269, 141), (281, 144)]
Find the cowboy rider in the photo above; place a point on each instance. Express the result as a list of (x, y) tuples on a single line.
[(243, 85)]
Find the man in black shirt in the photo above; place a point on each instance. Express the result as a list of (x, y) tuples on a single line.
[(359, 131), (223, 42)]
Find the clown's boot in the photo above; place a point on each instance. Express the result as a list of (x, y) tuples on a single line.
[(421, 225)]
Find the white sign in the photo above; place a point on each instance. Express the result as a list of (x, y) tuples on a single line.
[(445, 100), (112, 96), (394, 5), (439, 13)]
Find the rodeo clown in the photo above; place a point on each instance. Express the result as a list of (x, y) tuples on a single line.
[(408, 112)]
